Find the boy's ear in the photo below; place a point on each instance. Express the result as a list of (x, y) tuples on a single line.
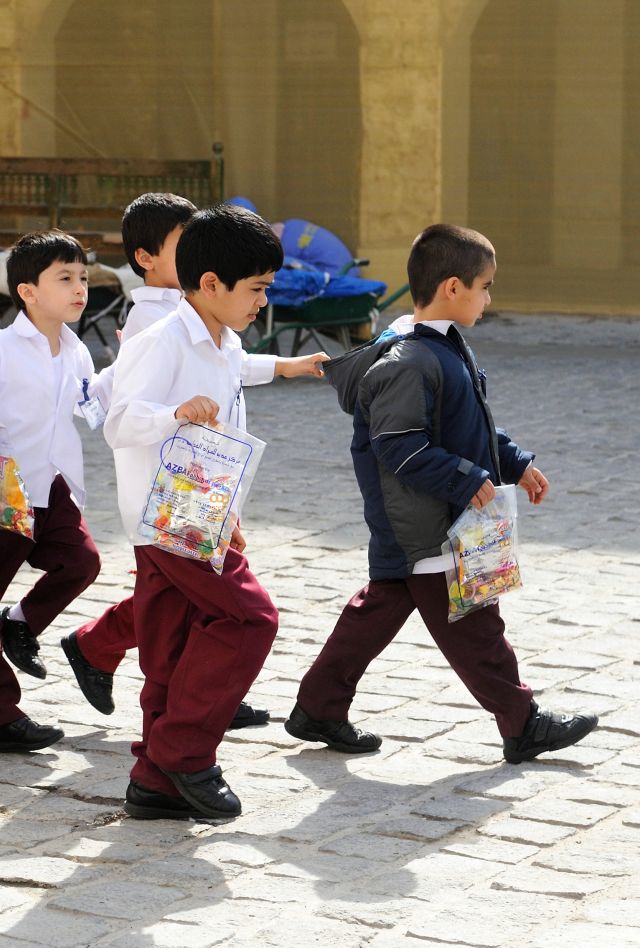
[(143, 259), (26, 292), (210, 283), (451, 287)]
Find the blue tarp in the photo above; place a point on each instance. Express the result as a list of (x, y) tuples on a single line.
[(297, 283)]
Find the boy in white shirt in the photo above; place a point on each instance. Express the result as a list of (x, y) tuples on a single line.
[(202, 637), (45, 372), (151, 227)]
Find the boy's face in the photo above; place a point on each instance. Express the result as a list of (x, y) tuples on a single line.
[(60, 295), (237, 308), (160, 268), (471, 301)]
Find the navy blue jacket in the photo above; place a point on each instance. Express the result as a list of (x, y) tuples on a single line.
[(423, 443)]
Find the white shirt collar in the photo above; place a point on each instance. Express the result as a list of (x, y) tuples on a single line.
[(198, 332), (147, 294), (24, 327)]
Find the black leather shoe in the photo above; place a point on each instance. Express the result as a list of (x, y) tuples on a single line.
[(207, 791), (21, 646), (146, 804), (95, 685), (546, 731), (25, 735), (337, 735), (247, 716)]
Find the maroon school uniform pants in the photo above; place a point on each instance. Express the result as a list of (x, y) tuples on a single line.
[(474, 646), (104, 641), (62, 547), (202, 639)]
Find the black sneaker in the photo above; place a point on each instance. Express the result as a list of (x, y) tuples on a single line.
[(21, 646), (337, 735), (546, 731), (145, 804), (95, 685), (25, 735), (248, 716)]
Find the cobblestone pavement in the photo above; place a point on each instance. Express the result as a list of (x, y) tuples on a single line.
[(433, 840)]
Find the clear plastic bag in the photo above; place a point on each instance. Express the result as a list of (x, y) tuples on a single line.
[(195, 500), (16, 512), (484, 544)]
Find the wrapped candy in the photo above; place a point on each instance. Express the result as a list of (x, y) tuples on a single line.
[(16, 512), (195, 499), (484, 547)]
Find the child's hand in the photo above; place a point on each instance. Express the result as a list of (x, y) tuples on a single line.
[(486, 494), (535, 484), (237, 541), (198, 410), (302, 365)]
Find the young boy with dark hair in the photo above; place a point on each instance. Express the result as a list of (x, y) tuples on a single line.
[(45, 371), (151, 227), (202, 637), (424, 447)]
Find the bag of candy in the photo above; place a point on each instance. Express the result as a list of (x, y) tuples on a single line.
[(16, 512), (202, 481), (485, 554)]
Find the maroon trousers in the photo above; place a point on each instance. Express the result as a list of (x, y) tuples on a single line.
[(63, 548), (475, 647), (104, 641), (202, 639)]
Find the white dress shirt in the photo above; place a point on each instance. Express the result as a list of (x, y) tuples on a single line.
[(158, 370), (36, 413), (150, 303)]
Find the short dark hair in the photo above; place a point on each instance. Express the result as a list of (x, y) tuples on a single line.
[(148, 221), (231, 242), (35, 252), (442, 251)]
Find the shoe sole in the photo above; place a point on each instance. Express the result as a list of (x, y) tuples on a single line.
[(322, 739), (23, 668), (9, 748), (236, 725), (140, 812), (73, 661), (559, 745)]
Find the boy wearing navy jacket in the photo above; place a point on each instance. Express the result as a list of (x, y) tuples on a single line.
[(424, 447)]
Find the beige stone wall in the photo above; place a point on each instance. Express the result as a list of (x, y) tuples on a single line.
[(369, 118)]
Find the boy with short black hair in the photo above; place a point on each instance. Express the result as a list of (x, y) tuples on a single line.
[(151, 227), (424, 447), (45, 371), (202, 637)]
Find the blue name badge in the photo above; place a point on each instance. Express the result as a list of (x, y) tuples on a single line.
[(94, 413)]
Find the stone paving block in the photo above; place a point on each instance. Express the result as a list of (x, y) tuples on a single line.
[(22, 834), (494, 850), (120, 898), (459, 806), (172, 934), (527, 831), (47, 872), (614, 911), (563, 812), (41, 926), (409, 729), (626, 720), (513, 783), (373, 846), (422, 829), (607, 853), (583, 934), (569, 885)]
